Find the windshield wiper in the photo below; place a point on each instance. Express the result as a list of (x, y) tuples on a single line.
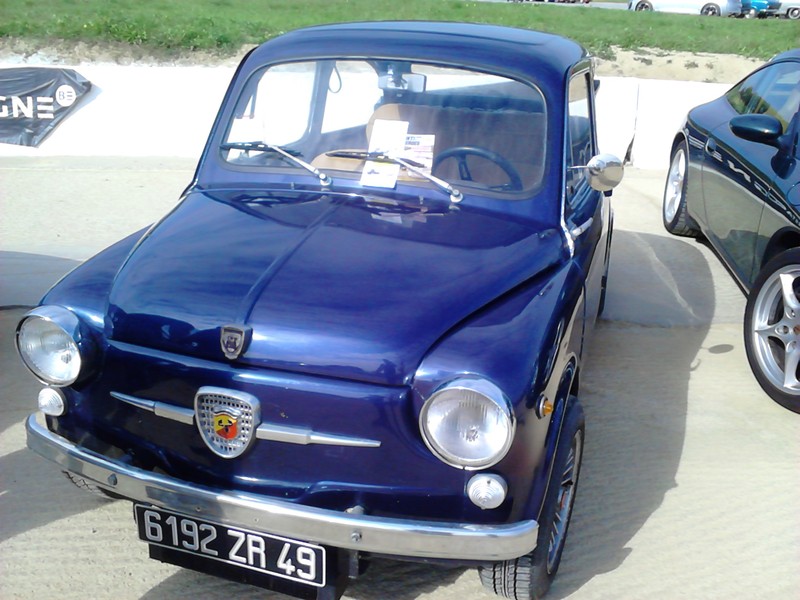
[(408, 164), (289, 155)]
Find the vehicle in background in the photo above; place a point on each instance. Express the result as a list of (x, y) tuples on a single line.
[(790, 10), (760, 8), (714, 8), (734, 178)]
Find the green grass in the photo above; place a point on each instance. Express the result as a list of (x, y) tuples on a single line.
[(179, 26)]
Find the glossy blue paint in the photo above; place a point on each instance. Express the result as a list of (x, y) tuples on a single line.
[(362, 302), (331, 285)]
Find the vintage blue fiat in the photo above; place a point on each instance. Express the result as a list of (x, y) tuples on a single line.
[(361, 333)]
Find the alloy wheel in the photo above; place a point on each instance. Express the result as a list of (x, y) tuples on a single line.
[(673, 194), (775, 329)]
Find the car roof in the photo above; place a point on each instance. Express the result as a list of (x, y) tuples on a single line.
[(519, 53), (793, 54)]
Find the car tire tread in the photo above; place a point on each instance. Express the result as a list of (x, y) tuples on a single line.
[(527, 577)]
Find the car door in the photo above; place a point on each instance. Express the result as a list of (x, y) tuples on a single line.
[(782, 212), (737, 174), (586, 210)]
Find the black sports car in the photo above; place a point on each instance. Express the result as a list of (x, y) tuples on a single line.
[(733, 178)]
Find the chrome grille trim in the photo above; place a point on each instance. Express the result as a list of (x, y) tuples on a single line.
[(288, 434), (304, 436), (160, 409)]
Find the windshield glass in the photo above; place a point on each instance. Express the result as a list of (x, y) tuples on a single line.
[(355, 118)]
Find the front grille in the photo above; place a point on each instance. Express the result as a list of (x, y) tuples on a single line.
[(227, 420)]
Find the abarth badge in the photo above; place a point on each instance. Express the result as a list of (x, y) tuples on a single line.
[(227, 420), (226, 425), (234, 339)]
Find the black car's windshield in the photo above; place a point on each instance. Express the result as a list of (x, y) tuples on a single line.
[(464, 128)]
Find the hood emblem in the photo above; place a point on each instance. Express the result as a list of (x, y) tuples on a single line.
[(234, 339), (227, 420)]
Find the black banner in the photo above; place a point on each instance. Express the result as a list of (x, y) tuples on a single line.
[(34, 100)]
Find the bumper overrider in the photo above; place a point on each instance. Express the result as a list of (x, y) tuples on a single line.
[(356, 532)]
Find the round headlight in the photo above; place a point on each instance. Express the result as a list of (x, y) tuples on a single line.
[(48, 341), (468, 424)]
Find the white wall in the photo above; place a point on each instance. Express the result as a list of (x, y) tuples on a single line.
[(168, 111)]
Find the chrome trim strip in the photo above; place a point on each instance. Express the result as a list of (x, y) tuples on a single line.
[(160, 409), (696, 142), (363, 533), (265, 431), (578, 231), (305, 436)]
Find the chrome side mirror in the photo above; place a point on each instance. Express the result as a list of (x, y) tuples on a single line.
[(604, 172)]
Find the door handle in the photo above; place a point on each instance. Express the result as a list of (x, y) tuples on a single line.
[(711, 146)]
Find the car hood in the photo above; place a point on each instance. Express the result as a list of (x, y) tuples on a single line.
[(332, 285)]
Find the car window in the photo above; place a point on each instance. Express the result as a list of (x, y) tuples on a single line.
[(579, 136), (263, 109), (773, 90), (469, 128)]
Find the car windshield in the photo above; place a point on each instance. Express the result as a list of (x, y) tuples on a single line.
[(388, 121)]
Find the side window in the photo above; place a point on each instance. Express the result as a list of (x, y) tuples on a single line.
[(774, 90), (579, 136)]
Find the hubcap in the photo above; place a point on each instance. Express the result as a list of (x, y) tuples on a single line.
[(673, 194), (564, 501), (775, 331)]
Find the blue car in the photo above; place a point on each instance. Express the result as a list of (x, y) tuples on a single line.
[(361, 333), (734, 179), (760, 8)]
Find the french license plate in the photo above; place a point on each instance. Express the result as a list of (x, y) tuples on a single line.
[(268, 554)]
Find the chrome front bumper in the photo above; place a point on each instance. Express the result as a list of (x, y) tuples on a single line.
[(362, 533)]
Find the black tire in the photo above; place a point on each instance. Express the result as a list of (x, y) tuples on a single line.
[(793, 13), (772, 329), (710, 10), (529, 577), (89, 487), (673, 208), (643, 6)]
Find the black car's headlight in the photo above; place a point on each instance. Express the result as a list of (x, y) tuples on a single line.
[(52, 345), (468, 424)]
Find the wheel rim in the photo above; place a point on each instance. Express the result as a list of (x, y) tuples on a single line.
[(775, 329), (673, 193), (564, 501), (711, 11)]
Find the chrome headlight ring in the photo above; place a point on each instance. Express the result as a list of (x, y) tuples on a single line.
[(52, 344), (468, 424)]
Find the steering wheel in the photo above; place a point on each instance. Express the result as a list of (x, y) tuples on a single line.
[(460, 153)]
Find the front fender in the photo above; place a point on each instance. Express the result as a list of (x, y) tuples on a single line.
[(528, 343)]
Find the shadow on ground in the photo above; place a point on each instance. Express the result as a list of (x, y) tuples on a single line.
[(26, 277), (635, 394)]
